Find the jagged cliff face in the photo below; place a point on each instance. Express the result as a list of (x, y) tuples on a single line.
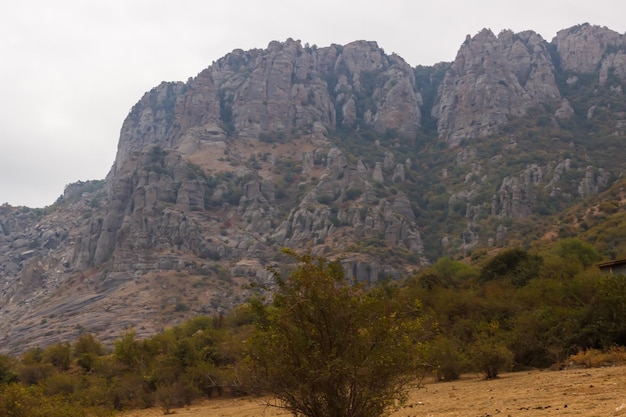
[(285, 88), (586, 48), (491, 79), (319, 149)]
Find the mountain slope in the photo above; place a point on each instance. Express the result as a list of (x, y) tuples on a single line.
[(344, 151)]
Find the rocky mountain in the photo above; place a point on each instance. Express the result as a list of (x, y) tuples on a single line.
[(344, 151), (492, 79)]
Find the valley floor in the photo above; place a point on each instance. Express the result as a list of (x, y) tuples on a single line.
[(574, 392)]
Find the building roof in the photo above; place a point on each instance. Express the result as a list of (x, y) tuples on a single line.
[(616, 262)]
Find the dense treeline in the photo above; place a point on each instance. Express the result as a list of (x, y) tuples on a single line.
[(521, 310), (198, 358), (511, 311)]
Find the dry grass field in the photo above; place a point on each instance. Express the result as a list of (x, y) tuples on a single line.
[(576, 392)]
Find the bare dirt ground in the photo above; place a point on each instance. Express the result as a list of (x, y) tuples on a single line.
[(577, 392)]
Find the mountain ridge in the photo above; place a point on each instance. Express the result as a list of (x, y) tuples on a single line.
[(344, 151)]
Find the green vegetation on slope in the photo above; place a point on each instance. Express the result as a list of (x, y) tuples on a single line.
[(515, 310)]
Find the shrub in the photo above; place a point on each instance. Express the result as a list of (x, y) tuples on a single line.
[(7, 373), (576, 250), (177, 394), (131, 391), (594, 358), (16, 401), (447, 360), (59, 383), (489, 354), (516, 265), (58, 355), (353, 193), (32, 374), (491, 358), (181, 307), (325, 199), (329, 348)]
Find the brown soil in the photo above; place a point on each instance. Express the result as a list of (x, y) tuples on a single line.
[(575, 392)]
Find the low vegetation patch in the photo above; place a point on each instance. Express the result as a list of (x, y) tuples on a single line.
[(595, 358)]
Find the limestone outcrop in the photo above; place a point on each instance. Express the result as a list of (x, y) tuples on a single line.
[(585, 48), (491, 79)]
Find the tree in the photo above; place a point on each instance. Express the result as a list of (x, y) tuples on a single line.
[(87, 343), (7, 367), (489, 352), (87, 351), (515, 264), (134, 354), (326, 347), (607, 321), (58, 355), (578, 251)]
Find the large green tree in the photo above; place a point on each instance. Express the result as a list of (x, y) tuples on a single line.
[(327, 347)]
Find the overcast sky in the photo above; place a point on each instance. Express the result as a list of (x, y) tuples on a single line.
[(72, 69)]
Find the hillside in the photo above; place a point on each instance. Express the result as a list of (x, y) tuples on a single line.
[(344, 151)]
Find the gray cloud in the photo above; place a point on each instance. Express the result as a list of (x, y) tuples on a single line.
[(71, 69)]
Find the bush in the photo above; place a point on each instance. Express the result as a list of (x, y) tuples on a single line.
[(32, 374), (7, 374), (59, 383), (447, 360), (58, 355), (325, 199), (490, 355), (576, 250), (353, 194), (594, 358), (87, 361), (516, 265), (87, 343), (177, 394), (16, 401), (491, 358), (131, 391)]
